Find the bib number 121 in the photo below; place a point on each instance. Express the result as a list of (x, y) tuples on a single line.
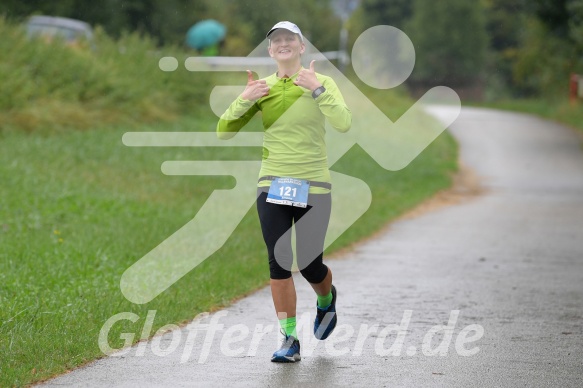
[(289, 191)]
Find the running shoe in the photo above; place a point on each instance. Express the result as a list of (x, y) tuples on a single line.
[(289, 351), (325, 321)]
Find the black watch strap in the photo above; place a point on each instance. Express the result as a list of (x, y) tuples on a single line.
[(318, 91)]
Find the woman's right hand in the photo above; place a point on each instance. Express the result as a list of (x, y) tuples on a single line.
[(255, 89)]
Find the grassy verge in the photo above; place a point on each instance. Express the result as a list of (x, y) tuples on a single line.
[(558, 110), (77, 208), (58, 87)]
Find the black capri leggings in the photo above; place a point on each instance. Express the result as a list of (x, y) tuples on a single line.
[(311, 224)]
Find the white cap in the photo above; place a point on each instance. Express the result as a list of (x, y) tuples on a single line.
[(287, 26)]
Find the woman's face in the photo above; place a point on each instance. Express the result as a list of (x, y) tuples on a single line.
[(285, 46)]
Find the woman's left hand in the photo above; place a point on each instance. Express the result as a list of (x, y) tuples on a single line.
[(307, 78)]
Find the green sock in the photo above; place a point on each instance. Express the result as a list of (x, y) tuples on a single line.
[(325, 301), (289, 326)]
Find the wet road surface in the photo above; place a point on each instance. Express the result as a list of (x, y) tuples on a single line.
[(485, 292)]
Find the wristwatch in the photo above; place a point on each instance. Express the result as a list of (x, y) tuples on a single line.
[(318, 91)]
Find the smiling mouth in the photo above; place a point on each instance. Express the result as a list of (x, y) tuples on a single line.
[(285, 51)]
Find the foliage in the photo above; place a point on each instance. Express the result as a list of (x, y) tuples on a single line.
[(544, 62), (394, 13), (504, 23), (162, 20), (575, 9), (50, 84), (371, 13), (449, 34), (167, 22), (529, 48), (450, 41), (553, 14), (551, 48)]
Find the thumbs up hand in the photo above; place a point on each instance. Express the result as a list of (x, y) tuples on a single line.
[(307, 78), (255, 89)]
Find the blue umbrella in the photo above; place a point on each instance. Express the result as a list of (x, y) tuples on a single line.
[(205, 33)]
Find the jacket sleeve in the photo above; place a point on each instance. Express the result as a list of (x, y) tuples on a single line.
[(236, 117), (332, 105)]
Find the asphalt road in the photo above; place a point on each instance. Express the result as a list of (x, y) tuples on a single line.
[(487, 291)]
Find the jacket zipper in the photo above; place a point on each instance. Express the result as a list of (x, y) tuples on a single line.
[(283, 96)]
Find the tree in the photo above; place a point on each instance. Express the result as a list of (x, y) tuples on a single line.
[(372, 13), (554, 15), (575, 9), (450, 41), (315, 18), (505, 21), (551, 47), (394, 13), (563, 19), (168, 21)]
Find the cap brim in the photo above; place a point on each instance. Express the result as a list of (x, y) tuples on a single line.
[(287, 29), (270, 31)]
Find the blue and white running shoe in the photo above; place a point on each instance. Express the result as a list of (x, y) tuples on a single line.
[(289, 351), (325, 321)]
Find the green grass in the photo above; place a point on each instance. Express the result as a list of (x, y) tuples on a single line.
[(77, 208), (559, 110), (52, 85)]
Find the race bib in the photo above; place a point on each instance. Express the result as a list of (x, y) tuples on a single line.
[(289, 191)]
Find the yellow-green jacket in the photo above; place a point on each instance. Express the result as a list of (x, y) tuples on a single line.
[(294, 127)]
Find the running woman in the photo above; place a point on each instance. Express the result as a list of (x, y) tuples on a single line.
[(294, 181)]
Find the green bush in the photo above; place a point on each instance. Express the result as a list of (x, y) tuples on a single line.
[(50, 85)]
